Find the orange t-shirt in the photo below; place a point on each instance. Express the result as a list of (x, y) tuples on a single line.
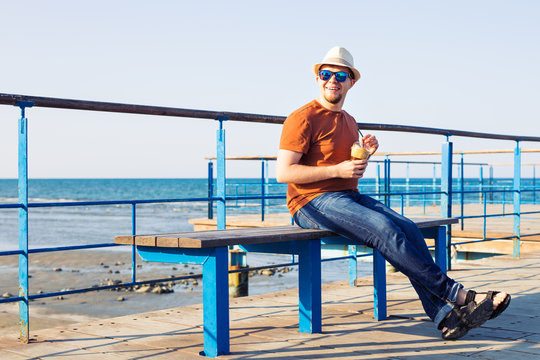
[(325, 138)]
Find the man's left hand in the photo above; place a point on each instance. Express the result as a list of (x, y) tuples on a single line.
[(372, 142)]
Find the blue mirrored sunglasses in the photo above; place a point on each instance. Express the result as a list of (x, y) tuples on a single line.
[(325, 75)]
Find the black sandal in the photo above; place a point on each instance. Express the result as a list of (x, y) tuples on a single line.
[(462, 318), (471, 294)]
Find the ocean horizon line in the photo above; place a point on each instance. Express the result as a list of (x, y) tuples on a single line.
[(235, 178)]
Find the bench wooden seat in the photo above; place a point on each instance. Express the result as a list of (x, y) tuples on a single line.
[(215, 238), (260, 235), (210, 249)]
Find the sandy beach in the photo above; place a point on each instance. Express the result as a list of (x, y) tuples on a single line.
[(51, 272), (72, 270)]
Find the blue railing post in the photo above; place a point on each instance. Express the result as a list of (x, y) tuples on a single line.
[(481, 192), (262, 190), (491, 182), (462, 186), (504, 201), (24, 316), (387, 200), (134, 247), (534, 184), (266, 183), (220, 160), (434, 184), (517, 200), (484, 219), (408, 189), (378, 181), (446, 194), (210, 189)]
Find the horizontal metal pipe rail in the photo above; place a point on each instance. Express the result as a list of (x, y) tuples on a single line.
[(59, 103), (163, 280), (511, 237), (103, 203)]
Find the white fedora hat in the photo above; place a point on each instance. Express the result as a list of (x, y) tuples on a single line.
[(338, 56)]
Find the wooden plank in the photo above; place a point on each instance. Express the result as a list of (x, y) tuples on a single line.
[(124, 239), (167, 242), (252, 236), (430, 222), (146, 240)]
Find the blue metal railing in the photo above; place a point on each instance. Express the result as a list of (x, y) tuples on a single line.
[(219, 196)]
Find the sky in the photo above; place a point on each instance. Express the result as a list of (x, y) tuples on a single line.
[(465, 65)]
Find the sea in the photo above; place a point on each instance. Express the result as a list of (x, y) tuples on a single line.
[(54, 226), (59, 226), (90, 224)]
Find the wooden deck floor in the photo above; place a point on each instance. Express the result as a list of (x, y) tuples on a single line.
[(265, 326)]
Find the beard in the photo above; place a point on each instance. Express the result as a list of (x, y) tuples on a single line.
[(333, 99)]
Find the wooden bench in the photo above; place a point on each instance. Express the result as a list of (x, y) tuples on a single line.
[(210, 249)]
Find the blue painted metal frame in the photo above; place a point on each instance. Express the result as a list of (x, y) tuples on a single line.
[(379, 276), (517, 200), (216, 303), (210, 189), (309, 278), (24, 316), (379, 264), (215, 285), (379, 286), (352, 251), (441, 242), (462, 186), (215, 262), (283, 247), (133, 248), (221, 176), (446, 196), (309, 291), (387, 181), (439, 234), (263, 188), (266, 191)]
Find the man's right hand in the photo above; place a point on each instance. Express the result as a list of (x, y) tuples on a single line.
[(288, 169), (351, 169)]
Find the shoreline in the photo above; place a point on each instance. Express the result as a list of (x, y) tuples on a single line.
[(56, 271)]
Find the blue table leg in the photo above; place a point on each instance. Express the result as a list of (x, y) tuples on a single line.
[(309, 284), (216, 303), (440, 248), (379, 286)]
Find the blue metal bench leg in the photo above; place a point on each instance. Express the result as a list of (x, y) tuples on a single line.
[(309, 284), (216, 303), (379, 286), (353, 265), (440, 248)]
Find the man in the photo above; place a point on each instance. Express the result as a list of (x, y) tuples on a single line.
[(314, 158)]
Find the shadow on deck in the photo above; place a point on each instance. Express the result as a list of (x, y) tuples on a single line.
[(266, 326)]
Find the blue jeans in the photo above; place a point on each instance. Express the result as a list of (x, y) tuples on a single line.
[(361, 218)]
